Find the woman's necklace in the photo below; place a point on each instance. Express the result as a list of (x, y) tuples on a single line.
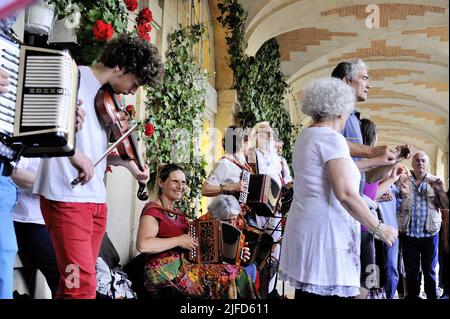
[(171, 215)]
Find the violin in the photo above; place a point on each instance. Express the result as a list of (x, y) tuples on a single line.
[(111, 112)]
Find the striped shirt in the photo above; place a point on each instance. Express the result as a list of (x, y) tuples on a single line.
[(419, 210)]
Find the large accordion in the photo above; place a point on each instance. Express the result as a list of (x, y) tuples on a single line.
[(38, 113), (218, 242), (261, 195)]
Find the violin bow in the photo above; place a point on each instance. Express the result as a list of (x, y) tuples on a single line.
[(77, 180)]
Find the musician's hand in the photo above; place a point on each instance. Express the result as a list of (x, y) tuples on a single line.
[(187, 242), (84, 166), (141, 176), (245, 256), (235, 188), (4, 82), (121, 116), (80, 115)]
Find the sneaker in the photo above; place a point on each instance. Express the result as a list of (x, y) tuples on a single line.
[(444, 297)]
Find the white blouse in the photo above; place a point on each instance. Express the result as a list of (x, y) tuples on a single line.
[(321, 243)]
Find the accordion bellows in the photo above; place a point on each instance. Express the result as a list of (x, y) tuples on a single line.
[(262, 193), (219, 242)]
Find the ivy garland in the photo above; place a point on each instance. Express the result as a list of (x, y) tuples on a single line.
[(176, 109), (258, 80)]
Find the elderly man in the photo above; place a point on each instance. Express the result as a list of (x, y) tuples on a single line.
[(419, 221), (368, 158)]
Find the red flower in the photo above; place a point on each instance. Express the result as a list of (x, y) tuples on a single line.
[(102, 31), (131, 5), (143, 30), (149, 129), (131, 111), (145, 15)]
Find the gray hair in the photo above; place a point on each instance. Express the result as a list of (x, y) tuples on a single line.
[(348, 69), (327, 98), (224, 207), (355, 66)]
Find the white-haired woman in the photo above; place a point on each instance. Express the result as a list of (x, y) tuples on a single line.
[(320, 254)]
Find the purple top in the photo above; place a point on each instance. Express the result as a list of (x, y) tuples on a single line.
[(370, 190)]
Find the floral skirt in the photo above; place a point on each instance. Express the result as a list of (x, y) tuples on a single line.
[(210, 281)]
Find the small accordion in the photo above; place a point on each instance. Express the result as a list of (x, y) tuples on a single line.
[(218, 242), (286, 197), (260, 245), (261, 193), (38, 113)]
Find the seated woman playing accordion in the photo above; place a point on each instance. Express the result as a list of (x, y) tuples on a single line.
[(163, 235)]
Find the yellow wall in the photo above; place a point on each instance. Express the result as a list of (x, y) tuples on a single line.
[(205, 146)]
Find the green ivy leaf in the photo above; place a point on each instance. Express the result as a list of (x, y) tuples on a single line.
[(93, 15)]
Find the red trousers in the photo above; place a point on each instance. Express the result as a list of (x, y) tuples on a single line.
[(76, 230)]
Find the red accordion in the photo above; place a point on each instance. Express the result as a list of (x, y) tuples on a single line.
[(262, 193), (218, 242)]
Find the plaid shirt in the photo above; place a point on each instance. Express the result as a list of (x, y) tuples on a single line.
[(419, 210)]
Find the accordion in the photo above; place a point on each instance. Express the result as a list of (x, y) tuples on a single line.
[(260, 244), (218, 242), (38, 113), (261, 194), (286, 197)]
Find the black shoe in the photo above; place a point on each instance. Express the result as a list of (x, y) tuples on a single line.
[(275, 295), (17, 295)]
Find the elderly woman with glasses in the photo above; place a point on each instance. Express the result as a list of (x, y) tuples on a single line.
[(320, 254)]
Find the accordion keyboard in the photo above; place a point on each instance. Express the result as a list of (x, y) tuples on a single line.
[(246, 179), (9, 61), (193, 234)]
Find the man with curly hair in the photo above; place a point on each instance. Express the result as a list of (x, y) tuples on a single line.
[(76, 217)]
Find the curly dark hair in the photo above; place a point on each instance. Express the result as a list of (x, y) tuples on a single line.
[(137, 56)]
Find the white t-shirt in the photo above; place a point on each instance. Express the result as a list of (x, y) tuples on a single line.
[(28, 209), (269, 163), (321, 243), (55, 174), (225, 172)]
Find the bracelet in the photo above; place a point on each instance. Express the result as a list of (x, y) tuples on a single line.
[(376, 230)]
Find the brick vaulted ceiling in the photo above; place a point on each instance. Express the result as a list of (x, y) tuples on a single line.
[(407, 57)]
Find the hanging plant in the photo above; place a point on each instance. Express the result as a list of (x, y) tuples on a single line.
[(97, 21), (258, 81), (175, 111)]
